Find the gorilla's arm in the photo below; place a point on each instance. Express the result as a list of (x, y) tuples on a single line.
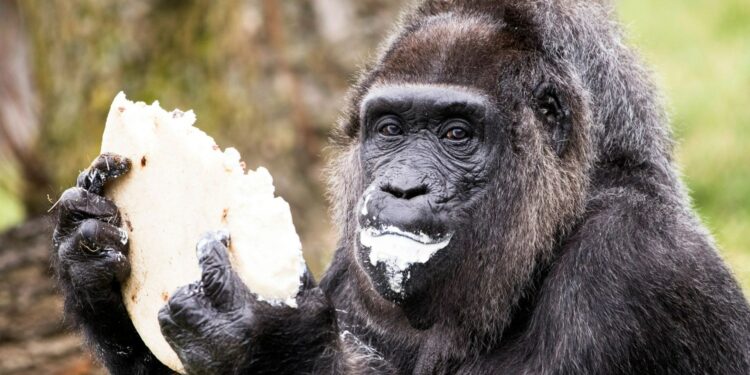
[(637, 289), (90, 261), (217, 326)]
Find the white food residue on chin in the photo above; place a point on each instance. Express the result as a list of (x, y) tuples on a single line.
[(398, 249)]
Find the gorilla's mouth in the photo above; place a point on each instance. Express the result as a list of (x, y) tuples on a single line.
[(398, 249)]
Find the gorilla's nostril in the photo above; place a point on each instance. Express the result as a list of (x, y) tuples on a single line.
[(405, 193)]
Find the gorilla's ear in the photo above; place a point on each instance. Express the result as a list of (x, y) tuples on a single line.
[(554, 112)]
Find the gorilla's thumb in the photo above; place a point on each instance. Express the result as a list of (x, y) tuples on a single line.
[(218, 280)]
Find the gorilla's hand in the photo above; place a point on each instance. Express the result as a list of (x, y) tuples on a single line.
[(217, 326), (90, 261), (208, 322), (89, 246)]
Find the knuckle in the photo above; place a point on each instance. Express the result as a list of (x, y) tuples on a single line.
[(180, 299), (187, 307), (78, 201), (168, 326), (81, 180), (71, 197), (89, 230), (214, 276), (165, 316), (220, 295), (95, 235), (105, 208)]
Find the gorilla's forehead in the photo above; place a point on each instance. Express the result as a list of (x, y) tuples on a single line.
[(435, 95), (466, 50), (450, 26)]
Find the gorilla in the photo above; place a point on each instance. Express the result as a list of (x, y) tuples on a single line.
[(507, 204)]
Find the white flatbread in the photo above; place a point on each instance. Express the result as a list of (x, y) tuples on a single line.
[(180, 186)]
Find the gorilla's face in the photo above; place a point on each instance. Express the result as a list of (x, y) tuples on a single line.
[(425, 157), (465, 159)]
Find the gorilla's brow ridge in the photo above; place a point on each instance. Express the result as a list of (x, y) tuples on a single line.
[(441, 94)]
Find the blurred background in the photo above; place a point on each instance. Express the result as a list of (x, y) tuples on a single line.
[(269, 78)]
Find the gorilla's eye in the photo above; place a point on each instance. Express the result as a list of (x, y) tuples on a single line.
[(389, 127), (457, 131), (456, 134)]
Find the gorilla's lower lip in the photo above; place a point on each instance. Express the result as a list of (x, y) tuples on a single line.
[(420, 237), (398, 249)]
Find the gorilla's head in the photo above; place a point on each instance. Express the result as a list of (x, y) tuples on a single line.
[(463, 160)]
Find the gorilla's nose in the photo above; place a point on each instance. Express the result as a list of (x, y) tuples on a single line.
[(405, 189), (402, 203)]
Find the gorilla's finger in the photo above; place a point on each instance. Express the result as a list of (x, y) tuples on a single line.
[(169, 328), (95, 235), (104, 168), (77, 204), (188, 308), (183, 342), (100, 247), (221, 284), (119, 264)]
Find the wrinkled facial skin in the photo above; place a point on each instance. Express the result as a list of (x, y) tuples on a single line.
[(424, 155)]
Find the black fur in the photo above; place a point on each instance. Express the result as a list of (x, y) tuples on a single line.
[(574, 248)]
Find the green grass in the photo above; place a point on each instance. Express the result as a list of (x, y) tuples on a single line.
[(700, 52)]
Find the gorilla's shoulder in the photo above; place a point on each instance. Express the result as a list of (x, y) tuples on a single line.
[(640, 234), (640, 273), (649, 255)]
